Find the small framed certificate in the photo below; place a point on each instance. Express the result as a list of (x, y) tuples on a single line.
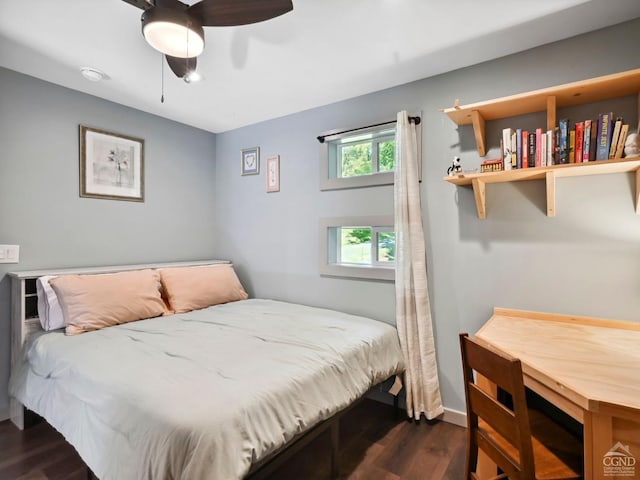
[(273, 173)]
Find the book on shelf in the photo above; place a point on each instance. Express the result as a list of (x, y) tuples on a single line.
[(514, 155), (506, 148), (605, 122), (622, 139), (572, 146), (525, 149), (518, 148), (614, 138), (556, 145), (579, 142), (550, 148), (532, 149), (586, 143), (538, 154), (543, 148), (564, 141)]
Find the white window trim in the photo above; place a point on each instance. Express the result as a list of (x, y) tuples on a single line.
[(375, 243), (371, 180), (372, 272)]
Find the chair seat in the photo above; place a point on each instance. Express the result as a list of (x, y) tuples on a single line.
[(558, 454)]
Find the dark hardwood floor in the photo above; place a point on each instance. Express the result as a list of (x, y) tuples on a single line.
[(373, 446)]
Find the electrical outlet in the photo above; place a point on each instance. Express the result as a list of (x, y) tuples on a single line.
[(9, 253)]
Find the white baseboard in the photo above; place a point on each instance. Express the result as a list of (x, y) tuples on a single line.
[(455, 417)]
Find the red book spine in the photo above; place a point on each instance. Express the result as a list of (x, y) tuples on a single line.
[(525, 149), (579, 141), (586, 143)]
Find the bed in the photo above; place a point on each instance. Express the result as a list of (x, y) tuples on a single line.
[(211, 393)]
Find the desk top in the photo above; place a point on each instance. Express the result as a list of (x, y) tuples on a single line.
[(593, 362)]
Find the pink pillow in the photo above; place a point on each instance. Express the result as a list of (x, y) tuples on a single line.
[(92, 302), (193, 288)]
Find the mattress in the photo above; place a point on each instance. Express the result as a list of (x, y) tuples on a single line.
[(204, 394)]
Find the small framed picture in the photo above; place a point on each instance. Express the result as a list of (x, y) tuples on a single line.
[(273, 173), (111, 165), (250, 161)]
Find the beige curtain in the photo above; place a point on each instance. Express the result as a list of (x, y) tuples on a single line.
[(413, 314)]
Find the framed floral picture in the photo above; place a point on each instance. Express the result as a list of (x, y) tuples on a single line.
[(111, 165), (250, 161), (273, 173)]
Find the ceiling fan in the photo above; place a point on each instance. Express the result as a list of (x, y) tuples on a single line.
[(175, 28)]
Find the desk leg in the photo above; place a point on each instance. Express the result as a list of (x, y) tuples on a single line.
[(486, 467), (593, 427), (603, 433)]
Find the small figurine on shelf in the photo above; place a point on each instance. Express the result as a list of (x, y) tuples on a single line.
[(632, 145), (455, 168)]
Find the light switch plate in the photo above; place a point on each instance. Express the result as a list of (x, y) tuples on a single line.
[(9, 253)]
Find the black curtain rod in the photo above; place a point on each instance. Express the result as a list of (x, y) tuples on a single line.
[(321, 138)]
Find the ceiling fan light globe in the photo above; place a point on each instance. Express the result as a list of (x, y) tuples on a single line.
[(172, 32)]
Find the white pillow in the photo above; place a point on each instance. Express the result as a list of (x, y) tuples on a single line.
[(49, 310)]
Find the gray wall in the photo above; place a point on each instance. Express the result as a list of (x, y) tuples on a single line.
[(40, 208), (584, 261)]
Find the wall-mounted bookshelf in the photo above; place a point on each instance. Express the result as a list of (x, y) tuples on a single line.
[(549, 100), (549, 174)]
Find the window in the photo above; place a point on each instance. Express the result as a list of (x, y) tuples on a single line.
[(365, 245), (359, 159), (362, 247), (365, 154)]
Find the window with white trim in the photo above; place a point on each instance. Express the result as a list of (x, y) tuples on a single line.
[(361, 157), (361, 247)]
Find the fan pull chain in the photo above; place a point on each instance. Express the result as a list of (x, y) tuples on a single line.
[(187, 29), (186, 73), (162, 77)]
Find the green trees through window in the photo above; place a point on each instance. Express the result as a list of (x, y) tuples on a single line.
[(367, 245), (387, 156), (367, 157)]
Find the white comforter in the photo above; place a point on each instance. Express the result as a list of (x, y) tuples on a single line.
[(205, 394)]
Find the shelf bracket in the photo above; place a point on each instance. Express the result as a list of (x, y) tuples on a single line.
[(478, 130), (479, 194), (551, 194), (551, 112), (638, 192)]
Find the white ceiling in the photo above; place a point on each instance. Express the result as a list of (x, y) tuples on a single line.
[(322, 52)]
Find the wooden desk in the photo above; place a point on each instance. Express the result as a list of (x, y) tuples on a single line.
[(589, 368)]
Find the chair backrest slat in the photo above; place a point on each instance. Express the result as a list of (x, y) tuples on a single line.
[(508, 464), (502, 419)]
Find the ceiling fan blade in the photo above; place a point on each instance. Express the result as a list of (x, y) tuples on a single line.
[(227, 13), (181, 66), (141, 4), (146, 4)]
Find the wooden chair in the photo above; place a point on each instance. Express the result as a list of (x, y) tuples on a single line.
[(525, 444)]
